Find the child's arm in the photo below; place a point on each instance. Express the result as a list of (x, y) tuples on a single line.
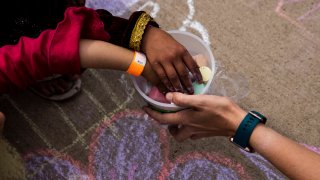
[(168, 58), (56, 51), (100, 54)]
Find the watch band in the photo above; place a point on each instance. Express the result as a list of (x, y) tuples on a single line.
[(245, 129)]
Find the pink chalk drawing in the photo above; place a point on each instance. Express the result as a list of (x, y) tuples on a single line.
[(139, 150), (279, 10), (297, 21), (138, 147)]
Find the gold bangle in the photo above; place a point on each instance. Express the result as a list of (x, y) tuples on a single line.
[(138, 30)]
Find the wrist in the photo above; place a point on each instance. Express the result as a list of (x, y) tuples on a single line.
[(147, 69), (146, 36), (244, 131), (137, 65), (235, 117)]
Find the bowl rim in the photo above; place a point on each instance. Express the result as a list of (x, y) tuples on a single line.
[(213, 67)]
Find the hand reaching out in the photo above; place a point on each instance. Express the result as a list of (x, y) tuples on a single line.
[(170, 60), (149, 74), (206, 116)]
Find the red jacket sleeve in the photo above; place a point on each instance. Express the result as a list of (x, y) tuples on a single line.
[(52, 52)]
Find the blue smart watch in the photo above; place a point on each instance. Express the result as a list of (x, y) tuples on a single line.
[(245, 129)]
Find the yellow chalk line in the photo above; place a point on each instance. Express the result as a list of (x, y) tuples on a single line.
[(129, 91), (33, 126), (96, 124), (106, 86), (69, 122)]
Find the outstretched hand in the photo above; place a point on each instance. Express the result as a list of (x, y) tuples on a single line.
[(207, 115), (149, 74), (170, 60)]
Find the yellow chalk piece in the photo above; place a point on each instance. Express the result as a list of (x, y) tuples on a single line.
[(206, 73)]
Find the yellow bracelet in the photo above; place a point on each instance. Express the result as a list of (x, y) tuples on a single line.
[(138, 30), (137, 65)]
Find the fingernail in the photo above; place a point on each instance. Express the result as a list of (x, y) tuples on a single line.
[(171, 89), (180, 89), (191, 77), (199, 78), (169, 96), (190, 90)]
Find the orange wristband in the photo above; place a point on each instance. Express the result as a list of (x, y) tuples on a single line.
[(137, 65)]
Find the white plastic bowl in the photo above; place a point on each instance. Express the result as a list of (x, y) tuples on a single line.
[(195, 46)]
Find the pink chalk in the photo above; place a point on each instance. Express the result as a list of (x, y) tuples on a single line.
[(201, 60), (156, 95)]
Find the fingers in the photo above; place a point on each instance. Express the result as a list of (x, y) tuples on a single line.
[(165, 118), (184, 76), (184, 100), (162, 75), (192, 66), (173, 129), (173, 77), (162, 88), (185, 132), (181, 134), (204, 135)]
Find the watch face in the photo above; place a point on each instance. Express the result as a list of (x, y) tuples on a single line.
[(261, 117)]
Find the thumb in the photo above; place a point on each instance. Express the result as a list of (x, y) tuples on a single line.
[(184, 100)]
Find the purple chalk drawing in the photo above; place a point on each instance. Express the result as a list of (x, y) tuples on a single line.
[(312, 148), (202, 169), (204, 166), (132, 146), (135, 151), (51, 164), (116, 7), (264, 165)]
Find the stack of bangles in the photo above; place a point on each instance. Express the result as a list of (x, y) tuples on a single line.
[(141, 21)]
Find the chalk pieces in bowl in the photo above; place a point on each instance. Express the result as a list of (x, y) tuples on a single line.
[(203, 56)]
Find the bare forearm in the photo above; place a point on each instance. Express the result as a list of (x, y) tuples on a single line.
[(100, 54), (294, 160)]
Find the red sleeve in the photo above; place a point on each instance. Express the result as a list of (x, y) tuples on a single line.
[(52, 52)]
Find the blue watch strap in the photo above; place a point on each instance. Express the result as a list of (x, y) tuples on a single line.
[(245, 129)]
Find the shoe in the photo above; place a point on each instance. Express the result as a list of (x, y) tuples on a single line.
[(57, 87)]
